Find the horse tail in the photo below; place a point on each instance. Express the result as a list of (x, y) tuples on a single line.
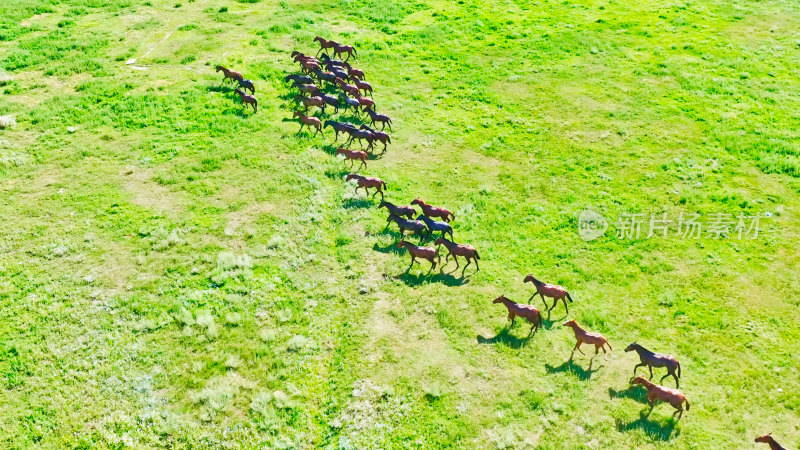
[(452, 216), (679, 372), (539, 316), (568, 297), (609, 346), (389, 139), (477, 256), (384, 184), (687, 403)]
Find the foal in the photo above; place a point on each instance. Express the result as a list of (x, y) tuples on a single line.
[(655, 392), (310, 121), (768, 439), (420, 252), (247, 99), (587, 337), (229, 74), (398, 210), (367, 182), (651, 360), (525, 311), (433, 211), (548, 290), (456, 250), (352, 156)]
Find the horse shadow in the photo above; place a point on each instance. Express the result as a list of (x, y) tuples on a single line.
[(226, 89), (571, 367), (391, 248), (430, 277), (240, 112), (337, 174), (632, 392), (506, 338), (361, 202), (652, 428), (329, 149)]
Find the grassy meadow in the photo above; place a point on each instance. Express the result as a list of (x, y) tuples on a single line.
[(178, 272)]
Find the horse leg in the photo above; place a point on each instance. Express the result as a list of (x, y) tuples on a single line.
[(412, 263), (433, 265), (636, 367), (649, 366), (564, 299), (390, 126), (477, 267), (364, 163), (578, 346)]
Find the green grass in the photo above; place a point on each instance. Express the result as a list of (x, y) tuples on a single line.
[(177, 272)]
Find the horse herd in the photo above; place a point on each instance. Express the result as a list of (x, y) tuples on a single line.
[(337, 74)]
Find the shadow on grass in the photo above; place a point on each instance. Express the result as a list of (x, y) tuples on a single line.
[(652, 428), (337, 174), (632, 392), (506, 338), (391, 248), (430, 277), (362, 202), (221, 88), (571, 367)]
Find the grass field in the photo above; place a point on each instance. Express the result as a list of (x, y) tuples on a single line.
[(177, 272)]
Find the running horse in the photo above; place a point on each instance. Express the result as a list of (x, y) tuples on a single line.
[(420, 252), (380, 136), (668, 395), (401, 211), (433, 211), (352, 156), (435, 225), (366, 183), (341, 50), (548, 290), (414, 226), (247, 99), (324, 44), (455, 250), (525, 311), (383, 119), (650, 359), (586, 337), (229, 74), (311, 122), (769, 440)]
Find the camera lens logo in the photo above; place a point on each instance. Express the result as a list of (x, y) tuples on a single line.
[(591, 225)]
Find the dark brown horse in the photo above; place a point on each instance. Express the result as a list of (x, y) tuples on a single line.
[(548, 290), (420, 252), (380, 136), (353, 155), (341, 50), (348, 88), (247, 85), (366, 183), (650, 359), (324, 44), (414, 226), (767, 439), (353, 73), (456, 250), (338, 127), (525, 311), (229, 74), (363, 86), (586, 337), (401, 211), (312, 122), (247, 99), (668, 395), (383, 119), (309, 89), (433, 211)]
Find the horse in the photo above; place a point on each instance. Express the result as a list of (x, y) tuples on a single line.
[(765, 439), (360, 135), (339, 72), (324, 76), (363, 86), (655, 392), (365, 102), (587, 337), (309, 89), (548, 290), (401, 211), (367, 182), (434, 225), (330, 100), (310, 121), (405, 224), (338, 127), (299, 79), (433, 211), (353, 155), (353, 73), (525, 311), (382, 118), (340, 50), (420, 252), (308, 65), (247, 99), (247, 84), (329, 62), (348, 88), (350, 102), (229, 74), (311, 101), (651, 360), (379, 135), (324, 44), (456, 250)]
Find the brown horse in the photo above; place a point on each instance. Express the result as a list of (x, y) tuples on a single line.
[(229, 74), (650, 359), (587, 337), (247, 99), (655, 392), (354, 73), (310, 121), (324, 44), (380, 136), (420, 252), (382, 118), (433, 211), (525, 311), (352, 156), (341, 50), (401, 211), (311, 101), (765, 439), (310, 89), (456, 250), (367, 182), (348, 88), (363, 86), (366, 104), (548, 290)]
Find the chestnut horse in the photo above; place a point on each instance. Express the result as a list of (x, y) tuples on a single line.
[(341, 50), (229, 74), (365, 102), (353, 73), (650, 359), (324, 44), (767, 439), (456, 250), (352, 156), (655, 392), (382, 118), (309, 89), (433, 211), (348, 88), (401, 211), (587, 337), (548, 290), (363, 86), (367, 182), (247, 99), (310, 121), (525, 311), (311, 101), (420, 252)]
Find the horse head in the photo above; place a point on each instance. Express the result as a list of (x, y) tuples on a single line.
[(569, 323), (632, 347), (402, 244), (638, 380), (499, 299), (418, 201), (764, 439), (218, 68), (439, 241)]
